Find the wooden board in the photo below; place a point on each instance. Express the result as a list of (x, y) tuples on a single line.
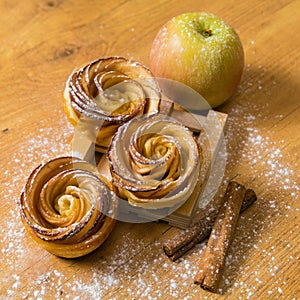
[(210, 137), (207, 127)]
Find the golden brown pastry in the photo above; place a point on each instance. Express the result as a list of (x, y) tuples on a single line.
[(109, 92), (154, 162), (67, 208)]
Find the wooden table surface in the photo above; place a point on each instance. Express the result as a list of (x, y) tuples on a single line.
[(43, 41)]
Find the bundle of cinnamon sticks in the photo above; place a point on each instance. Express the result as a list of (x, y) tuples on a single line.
[(219, 225)]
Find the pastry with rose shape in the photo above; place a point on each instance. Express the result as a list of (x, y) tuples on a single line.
[(67, 207), (154, 162), (109, 92)]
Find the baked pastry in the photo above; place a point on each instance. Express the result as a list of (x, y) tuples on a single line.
[(109, 92), (154, 162), (67, 208)]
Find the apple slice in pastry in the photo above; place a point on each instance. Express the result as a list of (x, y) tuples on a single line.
[(109, 92), (67, 208), (154, 162)]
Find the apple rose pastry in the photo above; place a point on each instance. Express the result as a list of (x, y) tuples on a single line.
[(154, 162), (67, 208), (109, 92)]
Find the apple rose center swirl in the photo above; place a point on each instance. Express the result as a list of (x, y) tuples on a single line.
[(67, 208), (109, 92), (154, 162)]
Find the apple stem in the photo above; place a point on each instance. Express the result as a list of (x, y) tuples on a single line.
[(207, 32)]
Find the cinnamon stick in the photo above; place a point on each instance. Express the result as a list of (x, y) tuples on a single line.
[(187, 239), (213, 259)]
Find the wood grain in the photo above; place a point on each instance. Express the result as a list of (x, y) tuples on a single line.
[(43, 41)]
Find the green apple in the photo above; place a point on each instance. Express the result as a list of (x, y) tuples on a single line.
[(202, 51)]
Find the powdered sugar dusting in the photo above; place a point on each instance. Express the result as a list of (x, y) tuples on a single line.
[(50, 143), (266, 164), (131, 263), (104, 273)]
